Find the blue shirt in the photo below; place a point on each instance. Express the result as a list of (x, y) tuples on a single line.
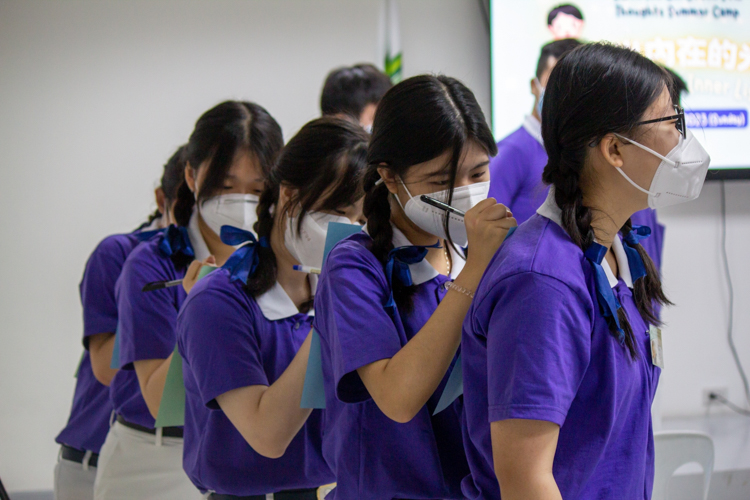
[(88, 424), (536, 346), (230, 340), (374, 457)]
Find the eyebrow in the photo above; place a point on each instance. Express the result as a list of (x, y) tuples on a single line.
[(482, 164)]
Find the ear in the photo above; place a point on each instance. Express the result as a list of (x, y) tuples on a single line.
[(389, 178), (532, 86), (161, 200), (610, 148), (286, 193), (190, 175)]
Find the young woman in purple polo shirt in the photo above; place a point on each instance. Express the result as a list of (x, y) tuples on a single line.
[(87, 426), (244, 331), (559, 373), (228, 156), (392, 299)]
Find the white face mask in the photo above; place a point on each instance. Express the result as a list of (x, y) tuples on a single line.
[(308, 245), (431, 219), (680, 175), (236, 209)]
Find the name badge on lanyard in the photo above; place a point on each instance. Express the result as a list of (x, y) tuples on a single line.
[(657, 352)]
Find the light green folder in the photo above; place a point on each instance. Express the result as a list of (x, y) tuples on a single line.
[(172, 407)]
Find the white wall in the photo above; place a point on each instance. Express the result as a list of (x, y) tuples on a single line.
[(95, 96), (696, 352)]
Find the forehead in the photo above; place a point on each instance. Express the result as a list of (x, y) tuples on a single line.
[(662, 106)]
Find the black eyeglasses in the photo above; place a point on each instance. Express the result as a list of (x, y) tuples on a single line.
[(679, 120)]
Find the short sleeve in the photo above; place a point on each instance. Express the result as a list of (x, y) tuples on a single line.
[(350, 315), (98, 288), (146, 322), (217, 340), (538, 348), (506, 171)]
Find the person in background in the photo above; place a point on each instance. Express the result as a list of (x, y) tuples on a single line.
[(388, 310), (565, 21), (83, 436), (354, 92), (558, 367), (244, 331), (516, 171), (228, 158)]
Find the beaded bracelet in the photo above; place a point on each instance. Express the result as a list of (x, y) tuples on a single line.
[(453, 286)]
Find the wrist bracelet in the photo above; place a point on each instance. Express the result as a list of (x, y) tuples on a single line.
[(451, 285)]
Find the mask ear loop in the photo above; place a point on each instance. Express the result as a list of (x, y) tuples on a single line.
[(639, 188), (395, 195)]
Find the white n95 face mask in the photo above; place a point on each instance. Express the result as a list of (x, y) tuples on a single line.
[(432, 219), (308, 244), (680, 175), (236, 209)]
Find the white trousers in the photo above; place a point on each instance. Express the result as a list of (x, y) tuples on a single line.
[(134, 465), (74, 481)]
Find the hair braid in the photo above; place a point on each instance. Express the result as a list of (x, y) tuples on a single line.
[(649, 286)]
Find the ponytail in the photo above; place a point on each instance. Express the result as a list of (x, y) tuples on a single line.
[(183, 207), (265, 274)]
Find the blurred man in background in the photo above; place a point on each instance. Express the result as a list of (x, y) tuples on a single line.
[(516, 171), (354, 92)]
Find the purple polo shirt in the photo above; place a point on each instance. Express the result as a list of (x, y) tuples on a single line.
[(516, 173), (535, 346), (88, 424), (230, 340), (374, 457), (147, 323)]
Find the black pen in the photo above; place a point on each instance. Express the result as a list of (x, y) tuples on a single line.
[(443, 206), (158, 285)]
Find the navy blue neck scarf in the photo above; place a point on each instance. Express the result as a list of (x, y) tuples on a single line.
[(244, 261), (608, 303), (398, 265)]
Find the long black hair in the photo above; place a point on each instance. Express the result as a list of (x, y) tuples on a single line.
[(323, 163), (171, 178), (417, 120), (219, 134), (595, 90)]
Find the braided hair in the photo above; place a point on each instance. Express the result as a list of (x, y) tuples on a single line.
[(323, 163), (219, 134), (594, 90), (417, 120)]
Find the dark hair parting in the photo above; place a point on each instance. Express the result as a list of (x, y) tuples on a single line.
[(219, 134)]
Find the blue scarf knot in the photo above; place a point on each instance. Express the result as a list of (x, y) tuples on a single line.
[(608, 303), (244, 261), (635, 262), (398, 264), (176, 241)]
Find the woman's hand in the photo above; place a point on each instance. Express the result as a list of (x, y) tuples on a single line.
[(487, 225), (191, 276)]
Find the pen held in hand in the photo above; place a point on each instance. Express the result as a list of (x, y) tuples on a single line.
[(158, 285), (443, 206), (307, 269)]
